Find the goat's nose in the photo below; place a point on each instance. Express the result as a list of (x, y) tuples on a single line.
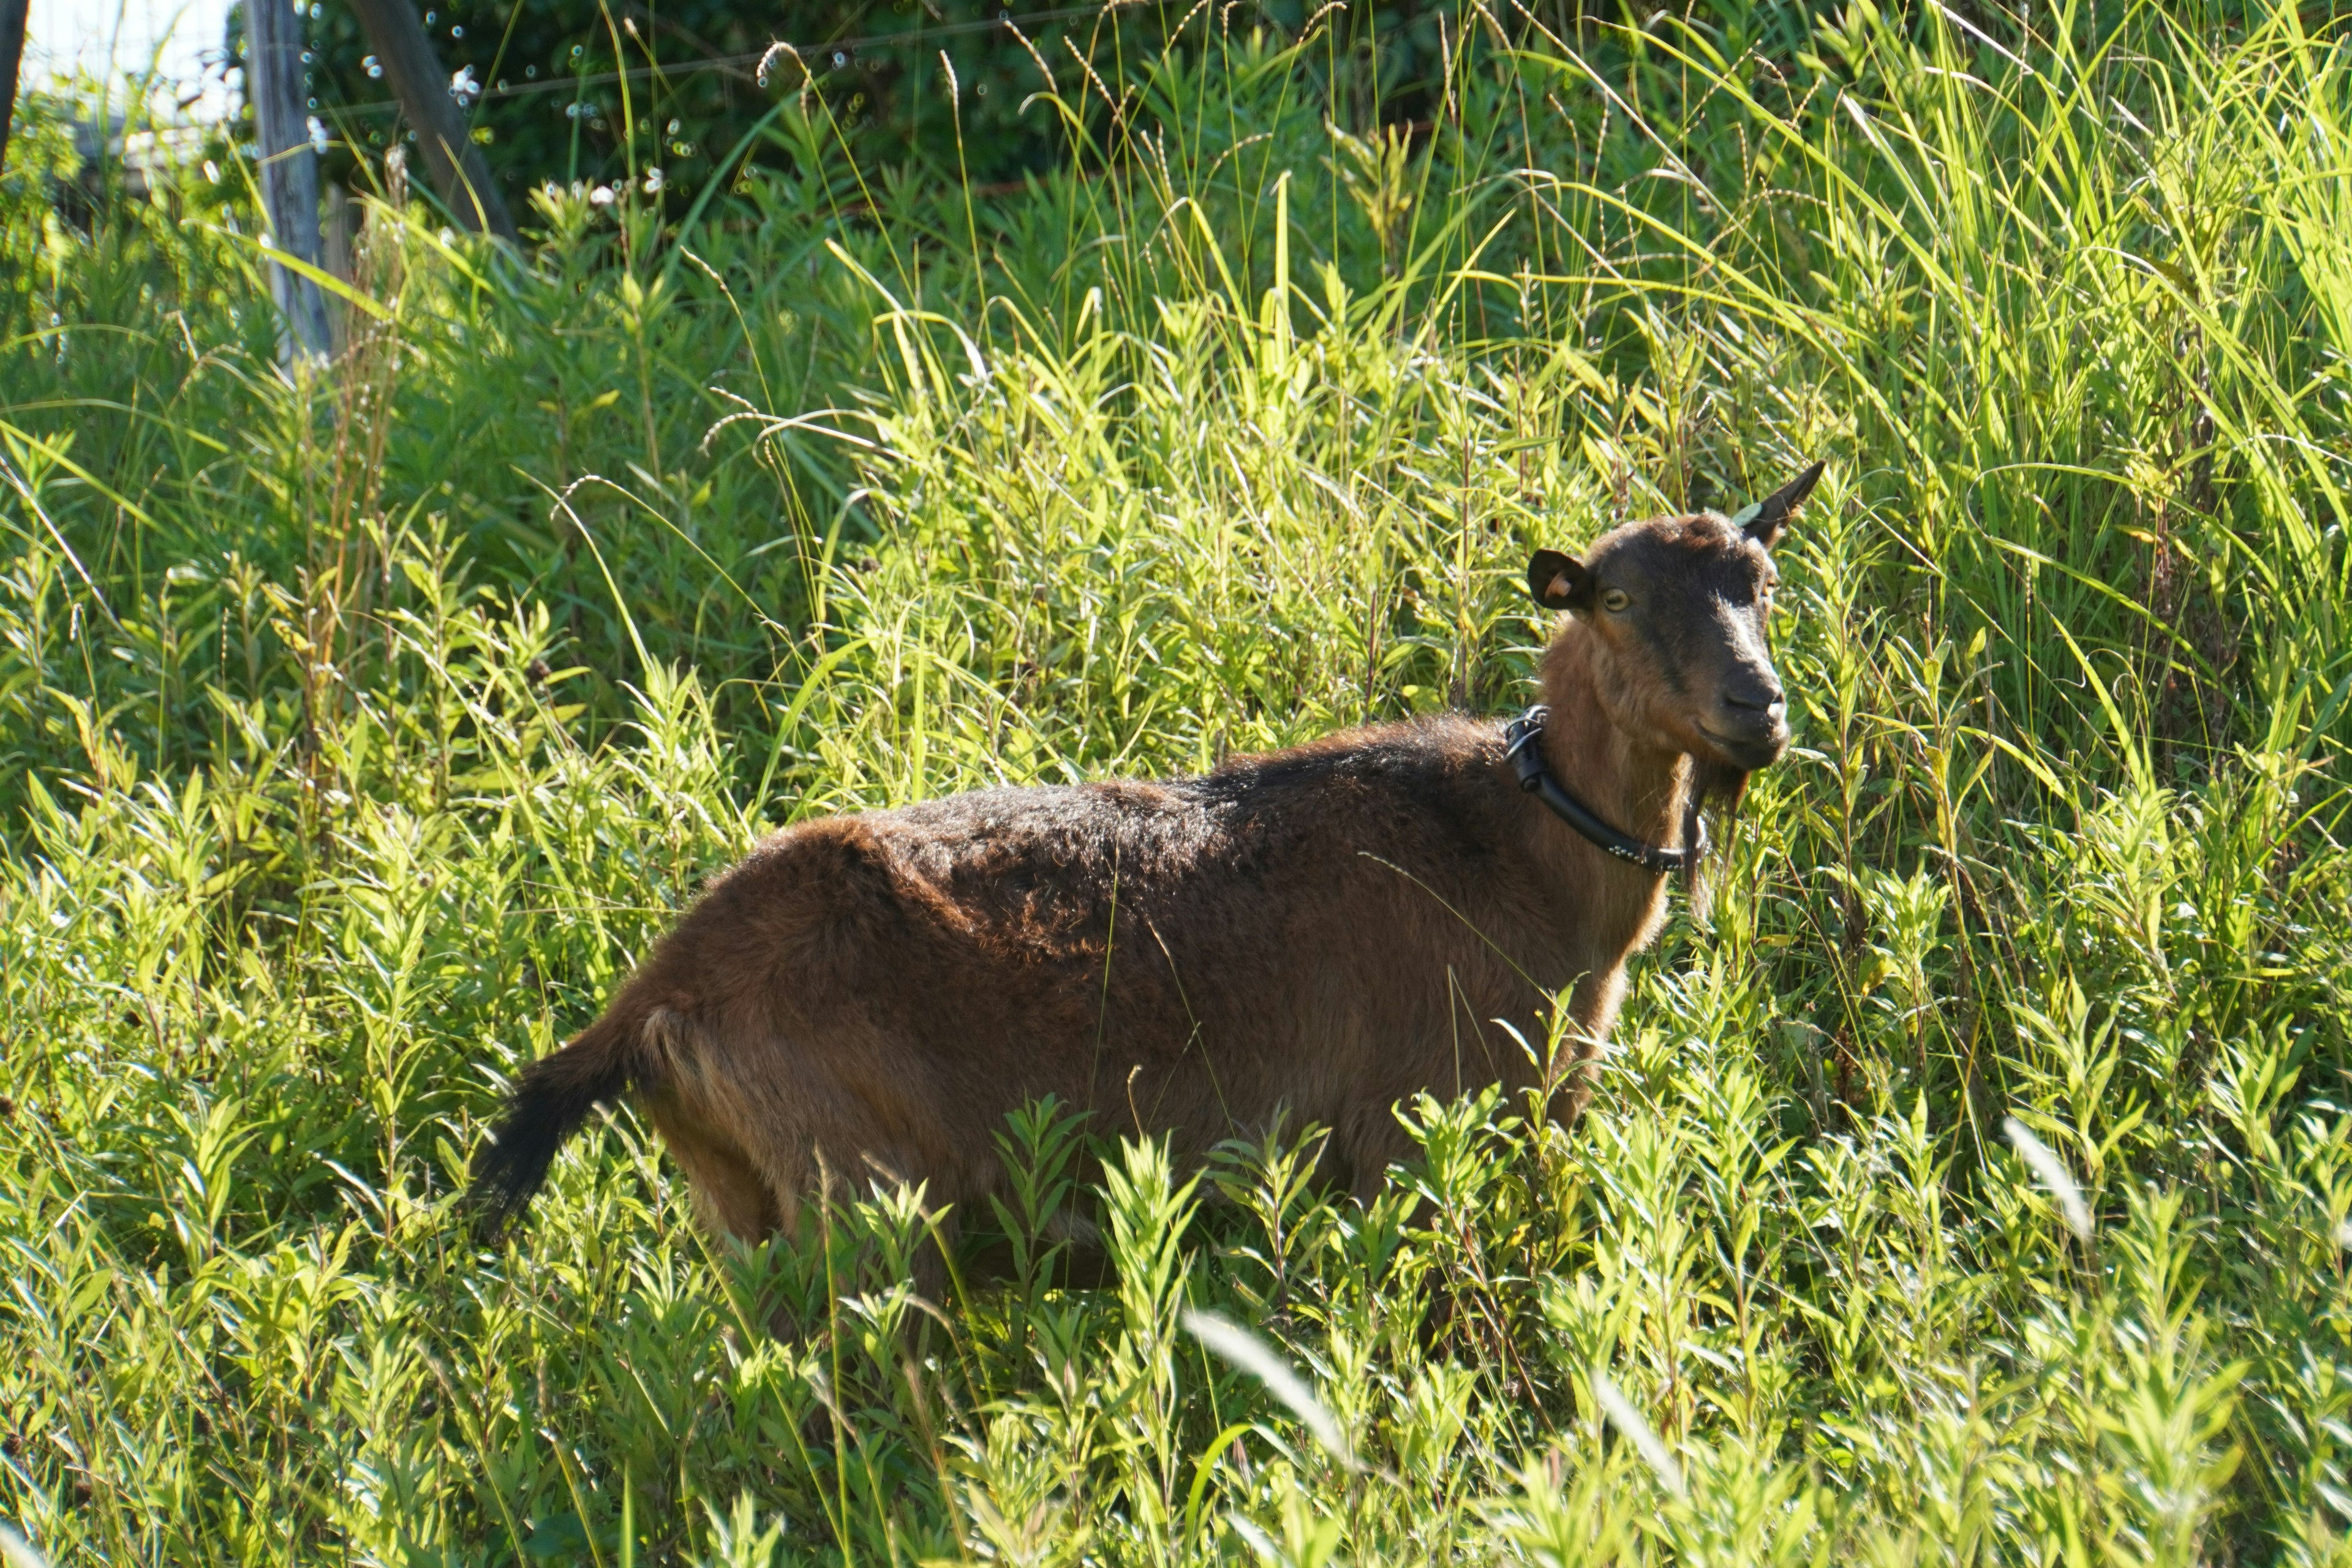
[(1761, 697)]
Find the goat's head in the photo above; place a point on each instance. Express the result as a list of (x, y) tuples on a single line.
[(1675, 617)]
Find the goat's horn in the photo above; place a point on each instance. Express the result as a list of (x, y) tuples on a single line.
[(1768, 514)]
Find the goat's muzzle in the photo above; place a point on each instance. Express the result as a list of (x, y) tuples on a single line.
[(1750, 722)]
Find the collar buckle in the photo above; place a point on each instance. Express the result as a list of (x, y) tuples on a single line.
[(1520, 743)]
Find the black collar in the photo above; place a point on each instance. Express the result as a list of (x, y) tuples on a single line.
[(1521, 738)]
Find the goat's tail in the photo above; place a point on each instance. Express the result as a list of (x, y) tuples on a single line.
[(550, 1101)]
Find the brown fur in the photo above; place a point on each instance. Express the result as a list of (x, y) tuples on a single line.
[(1322, 932)]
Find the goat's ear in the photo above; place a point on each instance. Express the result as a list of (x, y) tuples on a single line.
[(1557, 581), (1764, 520)]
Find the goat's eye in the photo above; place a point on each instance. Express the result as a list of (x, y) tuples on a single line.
[(1615, 600)]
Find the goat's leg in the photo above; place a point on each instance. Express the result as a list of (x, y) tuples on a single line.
[(1592, 1004), (731, 1199)]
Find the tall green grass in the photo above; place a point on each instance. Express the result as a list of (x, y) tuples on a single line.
[(361, 727)]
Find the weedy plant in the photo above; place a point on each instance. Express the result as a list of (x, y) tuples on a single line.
[(361, 726)]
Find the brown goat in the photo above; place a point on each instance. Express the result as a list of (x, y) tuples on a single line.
[(1324, 931)]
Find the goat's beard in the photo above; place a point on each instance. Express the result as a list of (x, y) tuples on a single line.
[(1714, 792)]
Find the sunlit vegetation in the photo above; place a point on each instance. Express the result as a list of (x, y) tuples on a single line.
[(359, 727)]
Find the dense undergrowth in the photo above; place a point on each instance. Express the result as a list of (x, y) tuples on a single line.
[(358, 728)]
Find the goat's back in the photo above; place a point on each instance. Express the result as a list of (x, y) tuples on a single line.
[(1285, 930)]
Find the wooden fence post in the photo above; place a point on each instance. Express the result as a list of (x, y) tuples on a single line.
[(289, 168), (12, 51), (337, 247), (421, 87)]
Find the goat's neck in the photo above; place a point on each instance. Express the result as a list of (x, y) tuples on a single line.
[(1637, 788)]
